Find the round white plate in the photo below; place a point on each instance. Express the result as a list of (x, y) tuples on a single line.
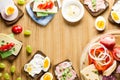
[(79, 10)]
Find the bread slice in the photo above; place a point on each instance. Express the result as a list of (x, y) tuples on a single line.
[(95, 14), (14, 51), (67, 60), (110, 17), (37, 76), (9, 23), (35, 13)]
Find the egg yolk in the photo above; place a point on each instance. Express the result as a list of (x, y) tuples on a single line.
[(100, 24), (47, 77), (29, 69), (46, 63), (10, 10), (115, 16)]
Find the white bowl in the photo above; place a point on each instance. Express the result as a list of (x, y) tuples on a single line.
[(72, 10)]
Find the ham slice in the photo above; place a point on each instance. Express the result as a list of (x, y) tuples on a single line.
[(100, 4)]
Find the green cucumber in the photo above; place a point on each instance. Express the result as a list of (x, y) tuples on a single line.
[(6, 54), (94, 4), (40, 14)]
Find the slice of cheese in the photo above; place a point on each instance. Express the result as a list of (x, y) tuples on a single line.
[(36, 9), (7, 39), (90, 73)]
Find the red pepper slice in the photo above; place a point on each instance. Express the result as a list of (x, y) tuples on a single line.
[(6, 47)]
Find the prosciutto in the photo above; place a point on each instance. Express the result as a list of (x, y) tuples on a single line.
[(100, 4)]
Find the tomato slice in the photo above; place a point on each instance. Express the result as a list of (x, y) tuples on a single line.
[(47, 5), (116, 53), (50, 5)]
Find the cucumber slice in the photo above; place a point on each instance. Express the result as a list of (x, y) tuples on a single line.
[(39, 14), (6, 54)]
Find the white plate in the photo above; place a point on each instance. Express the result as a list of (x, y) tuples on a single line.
[(73, 7)]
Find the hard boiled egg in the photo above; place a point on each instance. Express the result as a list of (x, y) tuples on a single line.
[(47, 76), (9, 10), (100, 23), (115, 16), (46, 64)]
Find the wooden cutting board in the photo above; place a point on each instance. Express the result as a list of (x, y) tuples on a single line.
[(84, 57)]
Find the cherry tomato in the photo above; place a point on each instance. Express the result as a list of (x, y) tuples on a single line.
[(16, 29), (108, 41), (116, 53)]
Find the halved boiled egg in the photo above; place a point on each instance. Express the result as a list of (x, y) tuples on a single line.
[(47, 76), (100, 23), (9, 10), (46, 64), (115, 16), (29, 68)]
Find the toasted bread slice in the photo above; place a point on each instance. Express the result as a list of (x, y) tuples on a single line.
[(67, 60), (95, 14), (35, 13), (37, 76), (110, 17), (9, 23), (14, 51)]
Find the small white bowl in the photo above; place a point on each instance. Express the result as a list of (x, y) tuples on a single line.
[(72, 10)]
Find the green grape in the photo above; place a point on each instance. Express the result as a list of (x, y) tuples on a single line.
[(0, 75), (21, 2), (12, 69), (2, 65), (27, 32), (19, 78), (29, 49), (6, 76)]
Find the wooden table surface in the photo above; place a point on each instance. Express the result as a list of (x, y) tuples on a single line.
[(59, 40)]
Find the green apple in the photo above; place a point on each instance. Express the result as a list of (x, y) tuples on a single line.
[(21, 2)]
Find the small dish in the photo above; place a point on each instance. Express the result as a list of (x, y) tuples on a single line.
[(72, 10)]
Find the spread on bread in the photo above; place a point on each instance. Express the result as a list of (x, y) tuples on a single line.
[(95, 5), (65, 71), (9, 46), (38, 64), (44, 7)]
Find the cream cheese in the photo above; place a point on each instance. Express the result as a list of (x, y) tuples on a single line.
[(72, 11), (35, 66)]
